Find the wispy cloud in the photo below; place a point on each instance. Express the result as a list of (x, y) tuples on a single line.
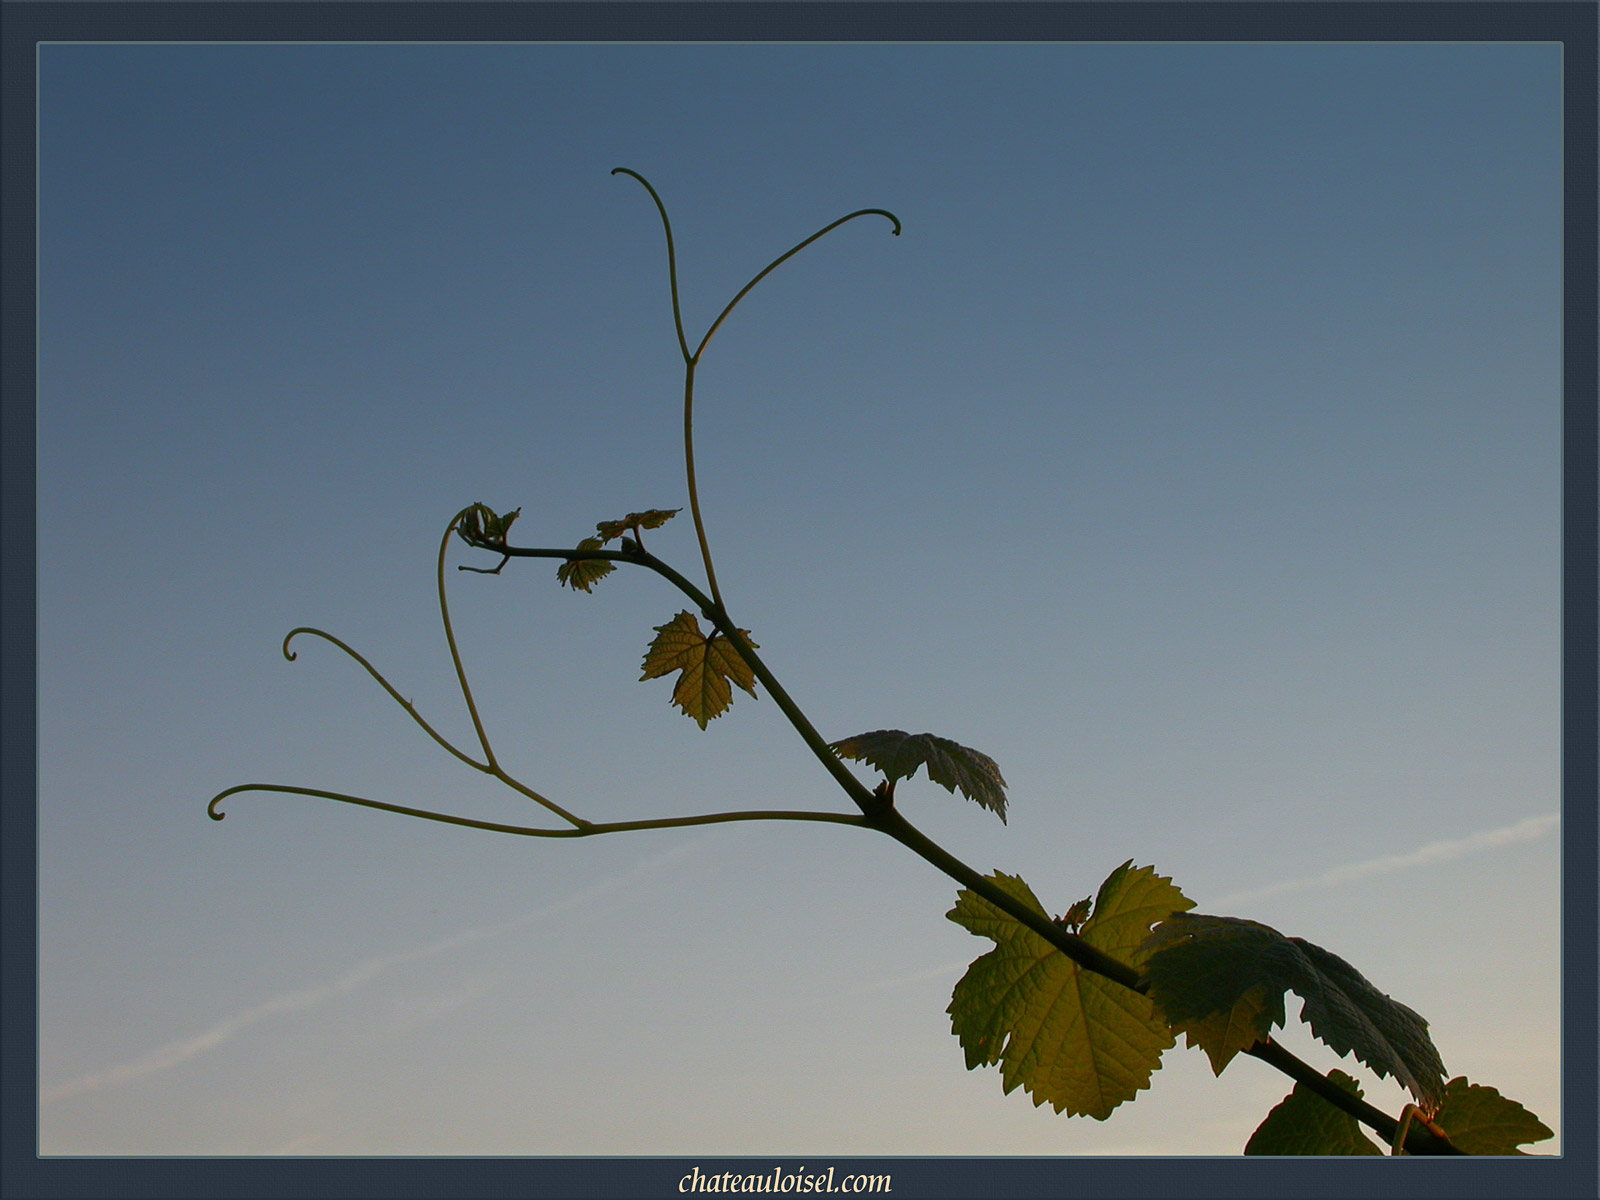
[(406, 1013), (164, 1058), (1433, 852)]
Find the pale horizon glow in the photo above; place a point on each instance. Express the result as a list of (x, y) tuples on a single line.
[(177, 1052)]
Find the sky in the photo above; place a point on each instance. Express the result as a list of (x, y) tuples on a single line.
[(1194, 452)]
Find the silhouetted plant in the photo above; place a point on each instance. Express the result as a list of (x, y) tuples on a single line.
[(1076, 1009)]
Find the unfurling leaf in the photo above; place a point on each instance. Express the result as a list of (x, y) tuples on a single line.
[(653, 518), (581, 574), (1480, 1120), (1072, 1038), (1304, 1123), (1075, 916), (479, 526), (898, 754), (1221, 980), (708, 666)]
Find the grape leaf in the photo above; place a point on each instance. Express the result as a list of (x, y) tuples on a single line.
[(1304, 1123), (1070, 1037), (708, 666), (1201, 966), (581, 574), (1229, 1030), (898, 754), (1480, 1120), (479, 526), (1224, 1010), (653, 518)]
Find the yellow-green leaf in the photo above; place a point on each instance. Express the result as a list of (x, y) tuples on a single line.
[(708, 665), (581, 574), (724, 660), (653, 518), (952, 766), (1480, 1120), (1071, 1038), (1304, 1123)]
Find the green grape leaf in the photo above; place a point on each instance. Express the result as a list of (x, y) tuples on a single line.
[(1480, 1120), (479, 526), (703, 690), (1304, 1123), (1200, 966), (954, 767), (581, 574), (1072, 1038), (653, 518)]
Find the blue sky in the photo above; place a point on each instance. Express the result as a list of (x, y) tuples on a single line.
[(1194, 452)]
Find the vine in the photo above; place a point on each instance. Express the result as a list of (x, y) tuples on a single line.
[(1143, 968)]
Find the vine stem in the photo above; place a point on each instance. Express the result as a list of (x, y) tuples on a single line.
[(691, 360), (455, 654), (410, 709), (494, 767), (587, 829), (694, 492)]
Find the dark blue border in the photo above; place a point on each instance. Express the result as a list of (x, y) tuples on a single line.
[(24, 1175)]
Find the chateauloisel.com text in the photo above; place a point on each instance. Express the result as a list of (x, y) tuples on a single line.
[(798, 1181)]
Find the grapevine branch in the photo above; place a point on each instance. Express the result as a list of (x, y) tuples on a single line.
[(877, 811)]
